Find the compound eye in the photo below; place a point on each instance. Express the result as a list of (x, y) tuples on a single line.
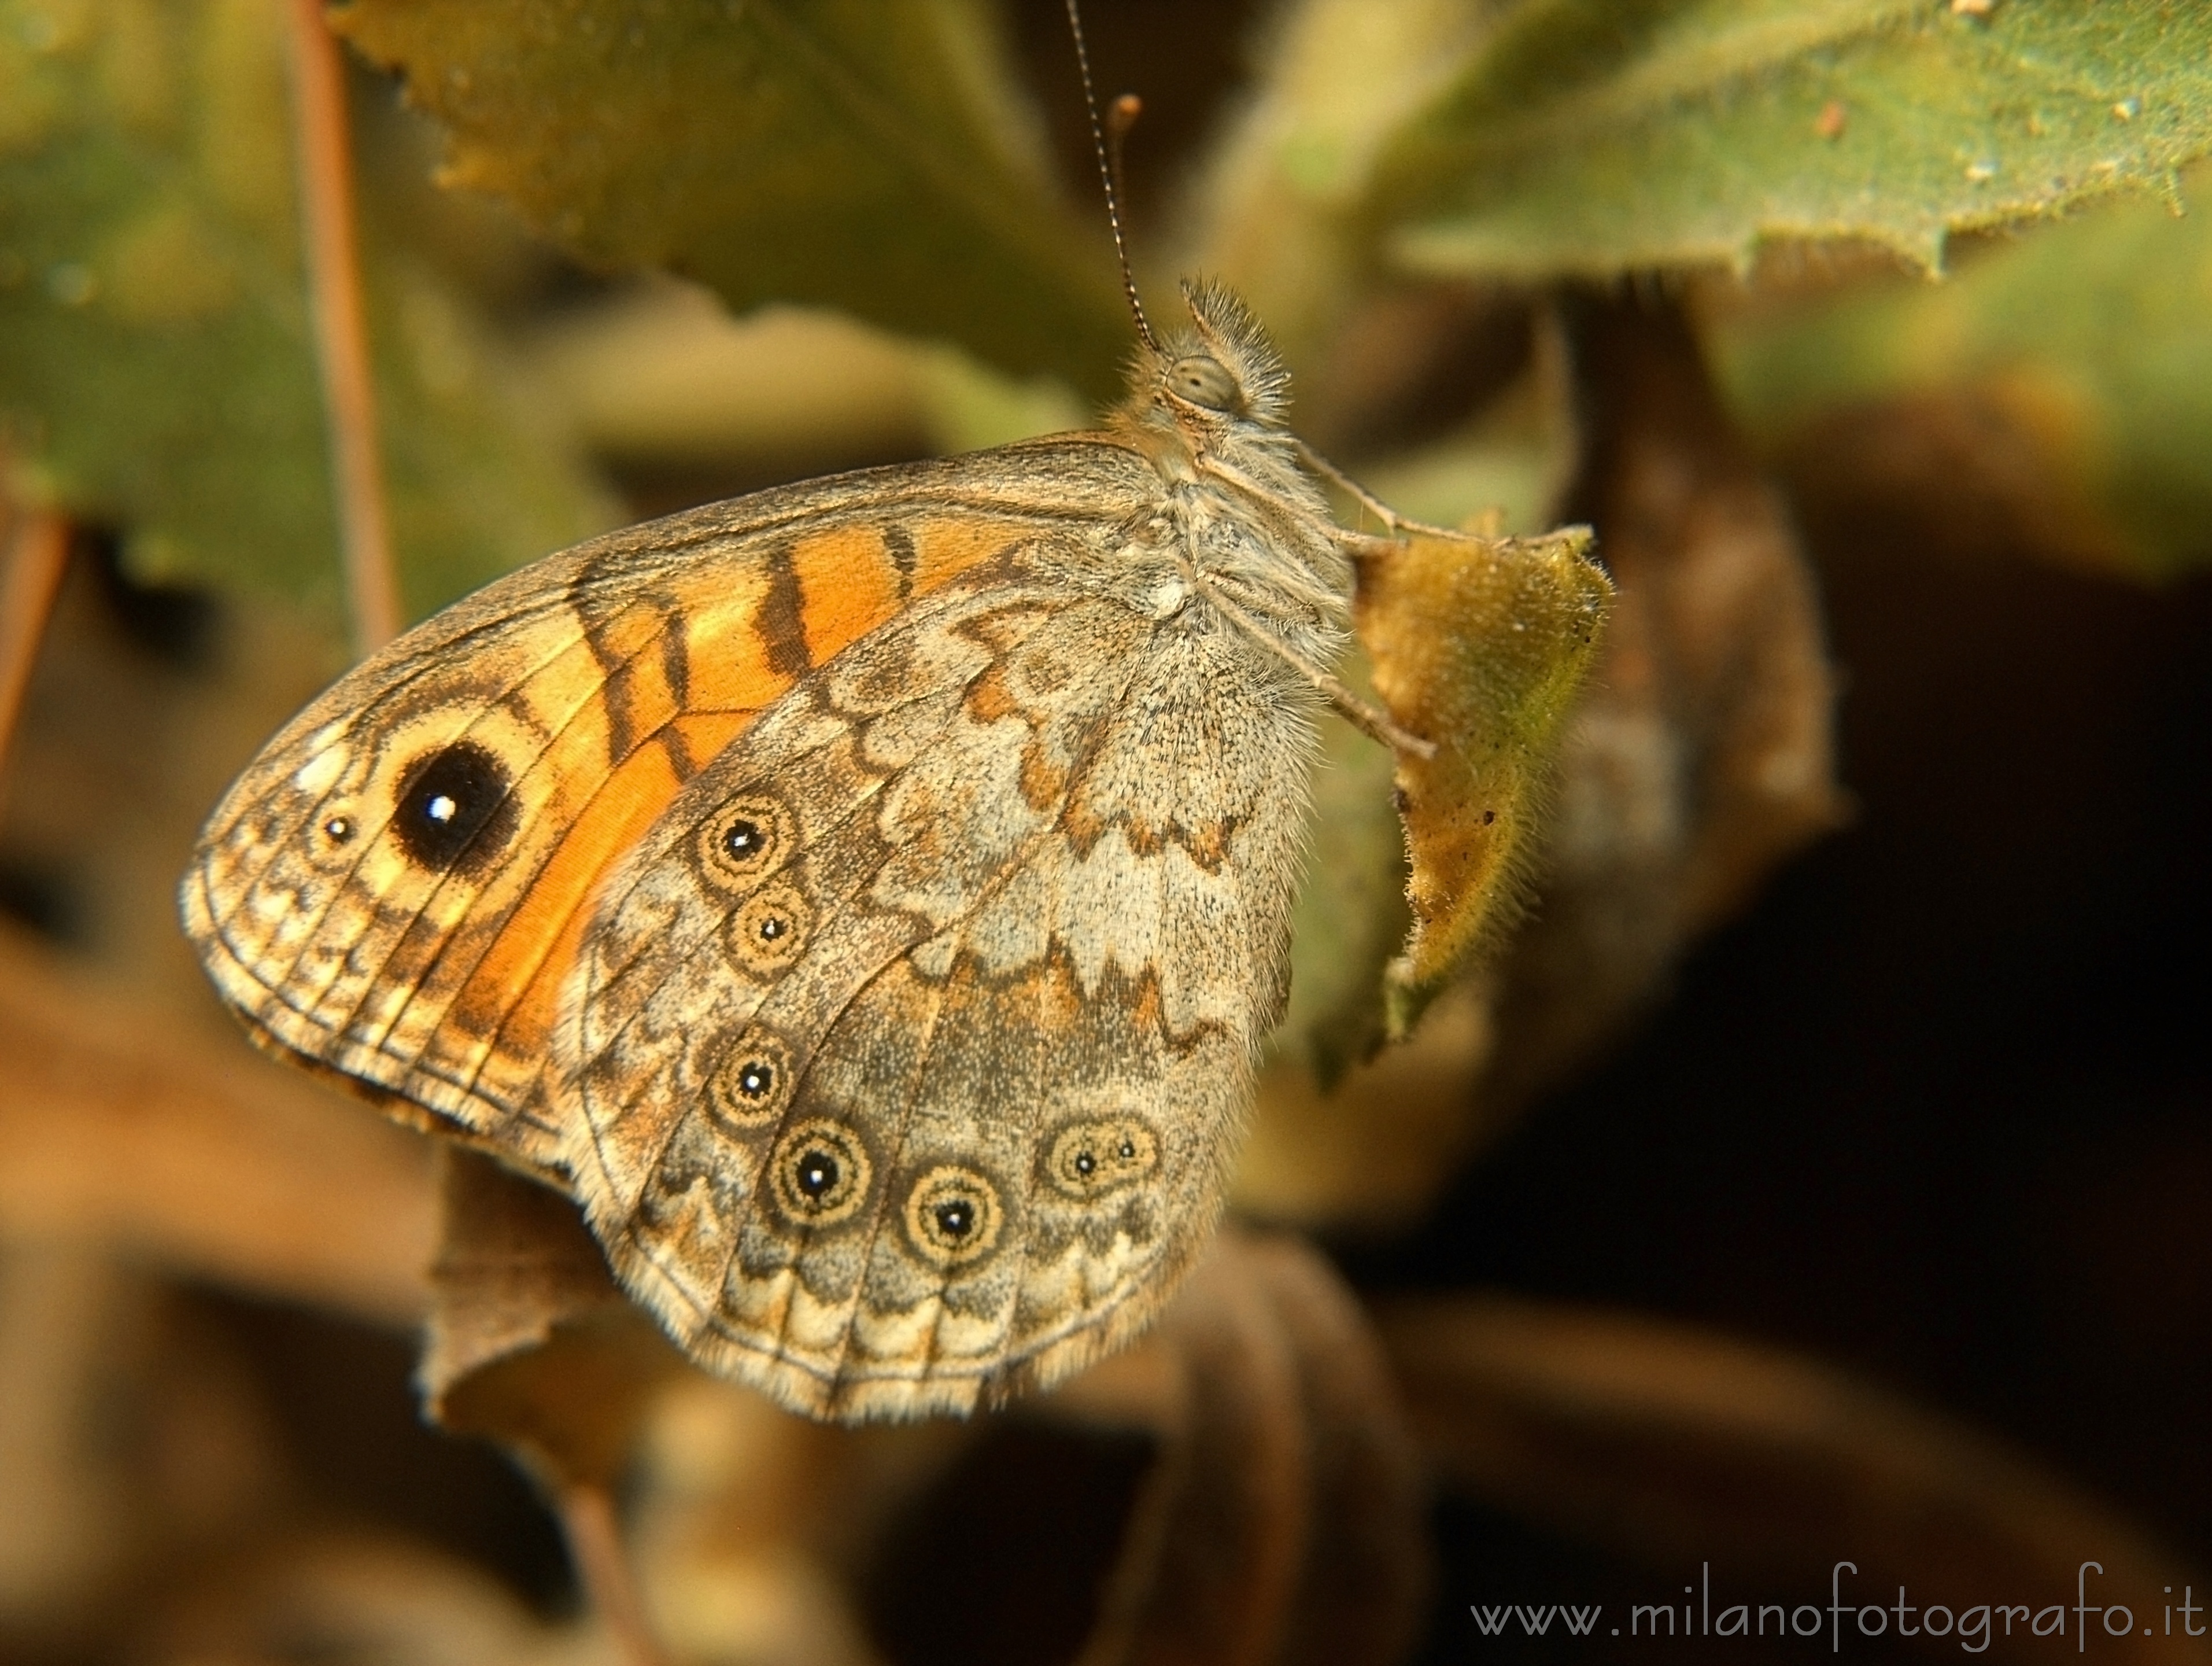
[(1205, 382)]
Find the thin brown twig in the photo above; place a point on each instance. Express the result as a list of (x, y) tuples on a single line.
[(38, 543), (587, 1514), (333, 252)]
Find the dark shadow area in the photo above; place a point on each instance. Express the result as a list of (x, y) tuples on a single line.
[(1934, 1109)]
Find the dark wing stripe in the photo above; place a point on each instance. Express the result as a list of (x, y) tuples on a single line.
[(780, 624), (898, 544)]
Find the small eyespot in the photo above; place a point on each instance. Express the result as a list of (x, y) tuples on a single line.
[(953, 1216), (740, 843), (453, 809), (1088, 1159), (769, 929), (754, 1082), (819, 1173), (1203, 381), (338, 829)]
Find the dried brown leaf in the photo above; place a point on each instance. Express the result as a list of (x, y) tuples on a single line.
[(1283, 1519), (1702, 754), (124, 1126), (1673, 1444), (531, 1344)]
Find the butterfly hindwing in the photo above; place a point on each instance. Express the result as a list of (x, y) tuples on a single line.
[(911, 1047)]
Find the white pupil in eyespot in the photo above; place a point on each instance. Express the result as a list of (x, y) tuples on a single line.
[(441, 809)]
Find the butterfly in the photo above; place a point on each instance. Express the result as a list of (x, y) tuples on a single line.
[(867, 896)]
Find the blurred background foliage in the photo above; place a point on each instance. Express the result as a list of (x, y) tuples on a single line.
[(1759, 290)]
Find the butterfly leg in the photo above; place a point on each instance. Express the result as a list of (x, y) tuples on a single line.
[(1364, 715), (1367, 500)]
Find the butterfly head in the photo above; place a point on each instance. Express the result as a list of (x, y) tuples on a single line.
[(1218, 379)]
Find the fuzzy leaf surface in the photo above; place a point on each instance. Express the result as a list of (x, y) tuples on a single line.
[(1588, 137), (1478, 645)]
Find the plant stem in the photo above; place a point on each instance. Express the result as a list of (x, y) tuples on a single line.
[(38, 544), (587, 1514), (333, 255)]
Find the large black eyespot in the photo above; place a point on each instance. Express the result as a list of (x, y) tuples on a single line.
[(754, 1081), (953, 1216), (819, 1172), (452, 811), (1088, 1159), (1205, 381)]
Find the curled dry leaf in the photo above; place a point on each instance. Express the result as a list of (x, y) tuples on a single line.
[(529, 1342), (124, 1126), (531, 1345), (1479, 645), (1697, 756), (1702, 752), (1676, 1446), (1282, 1518)]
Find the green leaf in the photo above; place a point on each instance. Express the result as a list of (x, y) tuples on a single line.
[(869, 154), (1479, 646), (481, 474), (1277, 204), (1351, 916), (2089, 344), (157, 366), (1586, 137)]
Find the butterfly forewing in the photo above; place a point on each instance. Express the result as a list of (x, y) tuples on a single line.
[(397, 888)]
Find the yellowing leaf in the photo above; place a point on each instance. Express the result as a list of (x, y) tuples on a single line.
[(1478, 645), (1590, 136), (870, 155)]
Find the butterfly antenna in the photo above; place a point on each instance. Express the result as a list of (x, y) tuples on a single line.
[(1124, 112)]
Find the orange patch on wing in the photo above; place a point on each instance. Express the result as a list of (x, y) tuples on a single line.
[(1042, 781), (515, 988), (850, 585), (945, 546), (705, 734), (722, 655), (566, 685), (989, 699)]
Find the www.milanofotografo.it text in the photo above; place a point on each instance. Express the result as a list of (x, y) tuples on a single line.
[(1847, 1615)]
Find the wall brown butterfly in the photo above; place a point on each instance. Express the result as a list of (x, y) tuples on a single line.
[(868, 897)]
